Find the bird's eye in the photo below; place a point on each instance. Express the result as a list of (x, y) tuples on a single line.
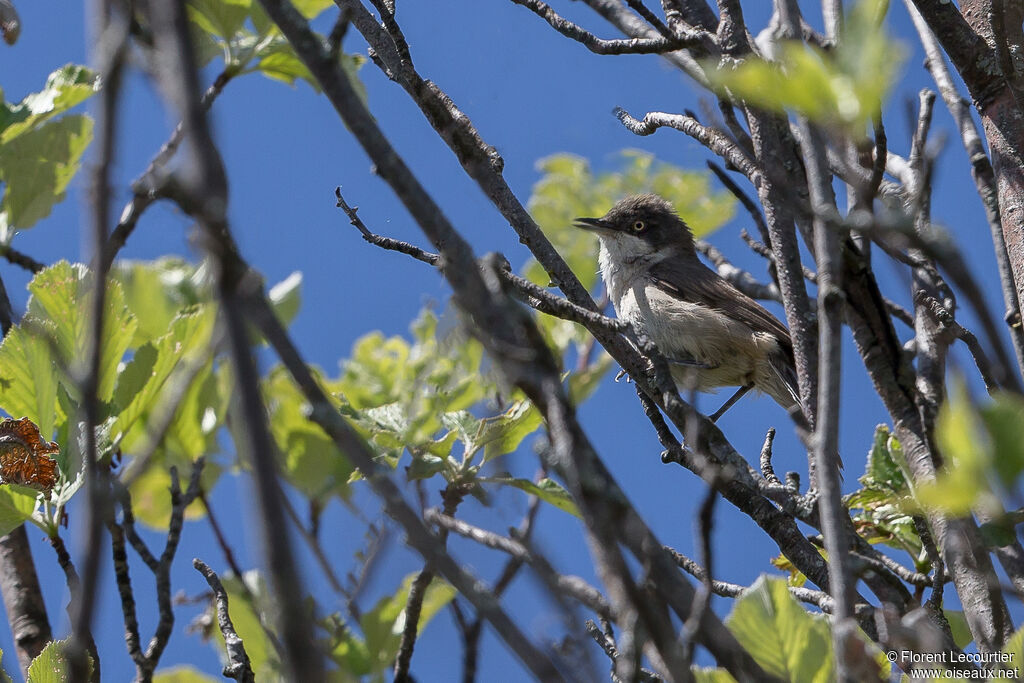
[(638, 226)]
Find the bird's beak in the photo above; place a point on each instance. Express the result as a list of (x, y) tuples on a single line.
[(592, 224)]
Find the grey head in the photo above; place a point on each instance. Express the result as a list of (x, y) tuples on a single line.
[(640, 225)]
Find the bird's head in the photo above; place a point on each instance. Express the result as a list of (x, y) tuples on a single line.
[(640, 225)]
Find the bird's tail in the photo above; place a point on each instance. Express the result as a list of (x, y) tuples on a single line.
[(790, 399)]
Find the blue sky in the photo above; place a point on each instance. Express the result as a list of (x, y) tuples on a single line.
[(531, 93)]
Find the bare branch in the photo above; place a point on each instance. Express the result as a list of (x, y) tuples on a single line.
[(709, 137), (596, 45), (238, 666)]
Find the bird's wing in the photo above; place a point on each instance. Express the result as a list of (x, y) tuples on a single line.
[(699, 284)]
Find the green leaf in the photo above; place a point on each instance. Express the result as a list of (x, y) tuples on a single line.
[(312, 8), (583, 384), (286, 67), (383, 625), (884, 501), (222, 18), (15, 508), (183, 674), (51, 666), (36, 168), (1004, 420), (156, 291), (60, 296), (843, 87), (780, 635), (65, 88), (702, 675), (28, 380), (286, 297), (151, 498), (546, 489), (962, 636), (503, 433), (189, 333), (1015, 645), (311, 460), (882, 470), (961, 437)]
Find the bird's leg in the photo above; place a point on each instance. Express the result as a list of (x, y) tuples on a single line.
[(732, 400)]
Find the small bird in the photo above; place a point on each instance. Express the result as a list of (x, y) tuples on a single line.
[(712, 334)]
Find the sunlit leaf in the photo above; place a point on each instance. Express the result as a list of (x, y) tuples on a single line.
[(16, 508), (51, 666), (183, 674), (842, 87), (222, 18), (311, 460), (548, 490), (780, 635), (156, 291), (29, 379), (382, 626), (36, 168), (153, 366), (60, 296), (65, 88)]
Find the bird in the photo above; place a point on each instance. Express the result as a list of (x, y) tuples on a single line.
[(712, 334)]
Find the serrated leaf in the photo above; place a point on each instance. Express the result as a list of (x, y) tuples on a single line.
[(29, 380), (189, 332), (780, 635), (50, 666), (503, 433), (36, 168), (60, 295), (65, 88), (548, 490), (155, 292), (881, 469)]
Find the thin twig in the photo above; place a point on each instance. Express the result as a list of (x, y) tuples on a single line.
[(709, 137), (619, 46), (238, 666)]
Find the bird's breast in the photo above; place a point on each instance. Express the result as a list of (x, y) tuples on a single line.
[(684, 330)]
